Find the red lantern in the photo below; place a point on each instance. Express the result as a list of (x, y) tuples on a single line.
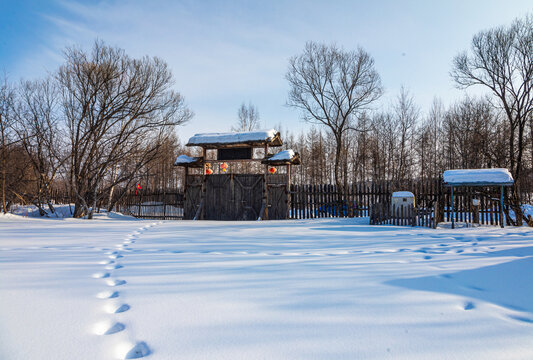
[(208, 172), (272, 170), (224, 167)]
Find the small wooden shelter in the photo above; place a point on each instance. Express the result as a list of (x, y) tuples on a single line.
[(498, 178), (216, 190)]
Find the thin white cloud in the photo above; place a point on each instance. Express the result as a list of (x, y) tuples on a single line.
[(223, 53)]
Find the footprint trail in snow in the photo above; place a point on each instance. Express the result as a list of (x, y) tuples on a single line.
[(114, 305)]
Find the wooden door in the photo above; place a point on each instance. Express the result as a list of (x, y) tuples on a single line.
[(193, 195), (248, 196), (278, 196), (219, 204)]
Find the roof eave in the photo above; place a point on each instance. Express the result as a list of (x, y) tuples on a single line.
[(236, 145), (295, 160), (478, 184), (274, 141), (198, 163)]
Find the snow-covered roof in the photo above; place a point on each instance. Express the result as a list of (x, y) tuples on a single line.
[(402, 194), (186, 160), (479, 177), (285, 157), (258, 137)]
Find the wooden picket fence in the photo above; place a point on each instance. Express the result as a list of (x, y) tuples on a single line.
[(161, 205), (487, 213), (432, 198), (319, 201), (403, 215)]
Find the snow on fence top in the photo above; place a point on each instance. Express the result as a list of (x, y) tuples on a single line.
[(186, 160), (259, 137), (478, 177), (401, 194)]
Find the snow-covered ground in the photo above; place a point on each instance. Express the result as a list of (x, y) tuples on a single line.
[(318, 289)]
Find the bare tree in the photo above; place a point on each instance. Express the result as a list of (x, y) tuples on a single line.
[(40, 135), (406, 116), (469, 125), (118, 111), (434, 128), (248, 118), (531, 143), (6, 123), (331, 87), (501, 60)]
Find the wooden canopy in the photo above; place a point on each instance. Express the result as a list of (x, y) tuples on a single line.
[(496, 177), (478, 177)]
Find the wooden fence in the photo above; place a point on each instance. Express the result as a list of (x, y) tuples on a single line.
[(406, 215), (487, 212), (431, 196), (325, 201), (167, 205), (318, 201)]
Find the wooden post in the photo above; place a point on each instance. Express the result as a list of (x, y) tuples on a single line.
[(200, 213), (140, 201), (164, 203), (288, 190), (476, 210), (453, 217), (265, 186), (501, 208), (185, 185)]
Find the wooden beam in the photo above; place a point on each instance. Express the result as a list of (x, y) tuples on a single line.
[(198, 214), (261, 212)]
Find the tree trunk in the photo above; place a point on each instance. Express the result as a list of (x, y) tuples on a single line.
[(338, 159), (516, 205), (4, 168), (112, 190), (4, 174)]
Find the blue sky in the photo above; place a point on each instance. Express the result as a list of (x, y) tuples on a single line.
[(225, 52)]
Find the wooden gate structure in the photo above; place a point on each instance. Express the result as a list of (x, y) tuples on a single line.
[(216, 188)]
